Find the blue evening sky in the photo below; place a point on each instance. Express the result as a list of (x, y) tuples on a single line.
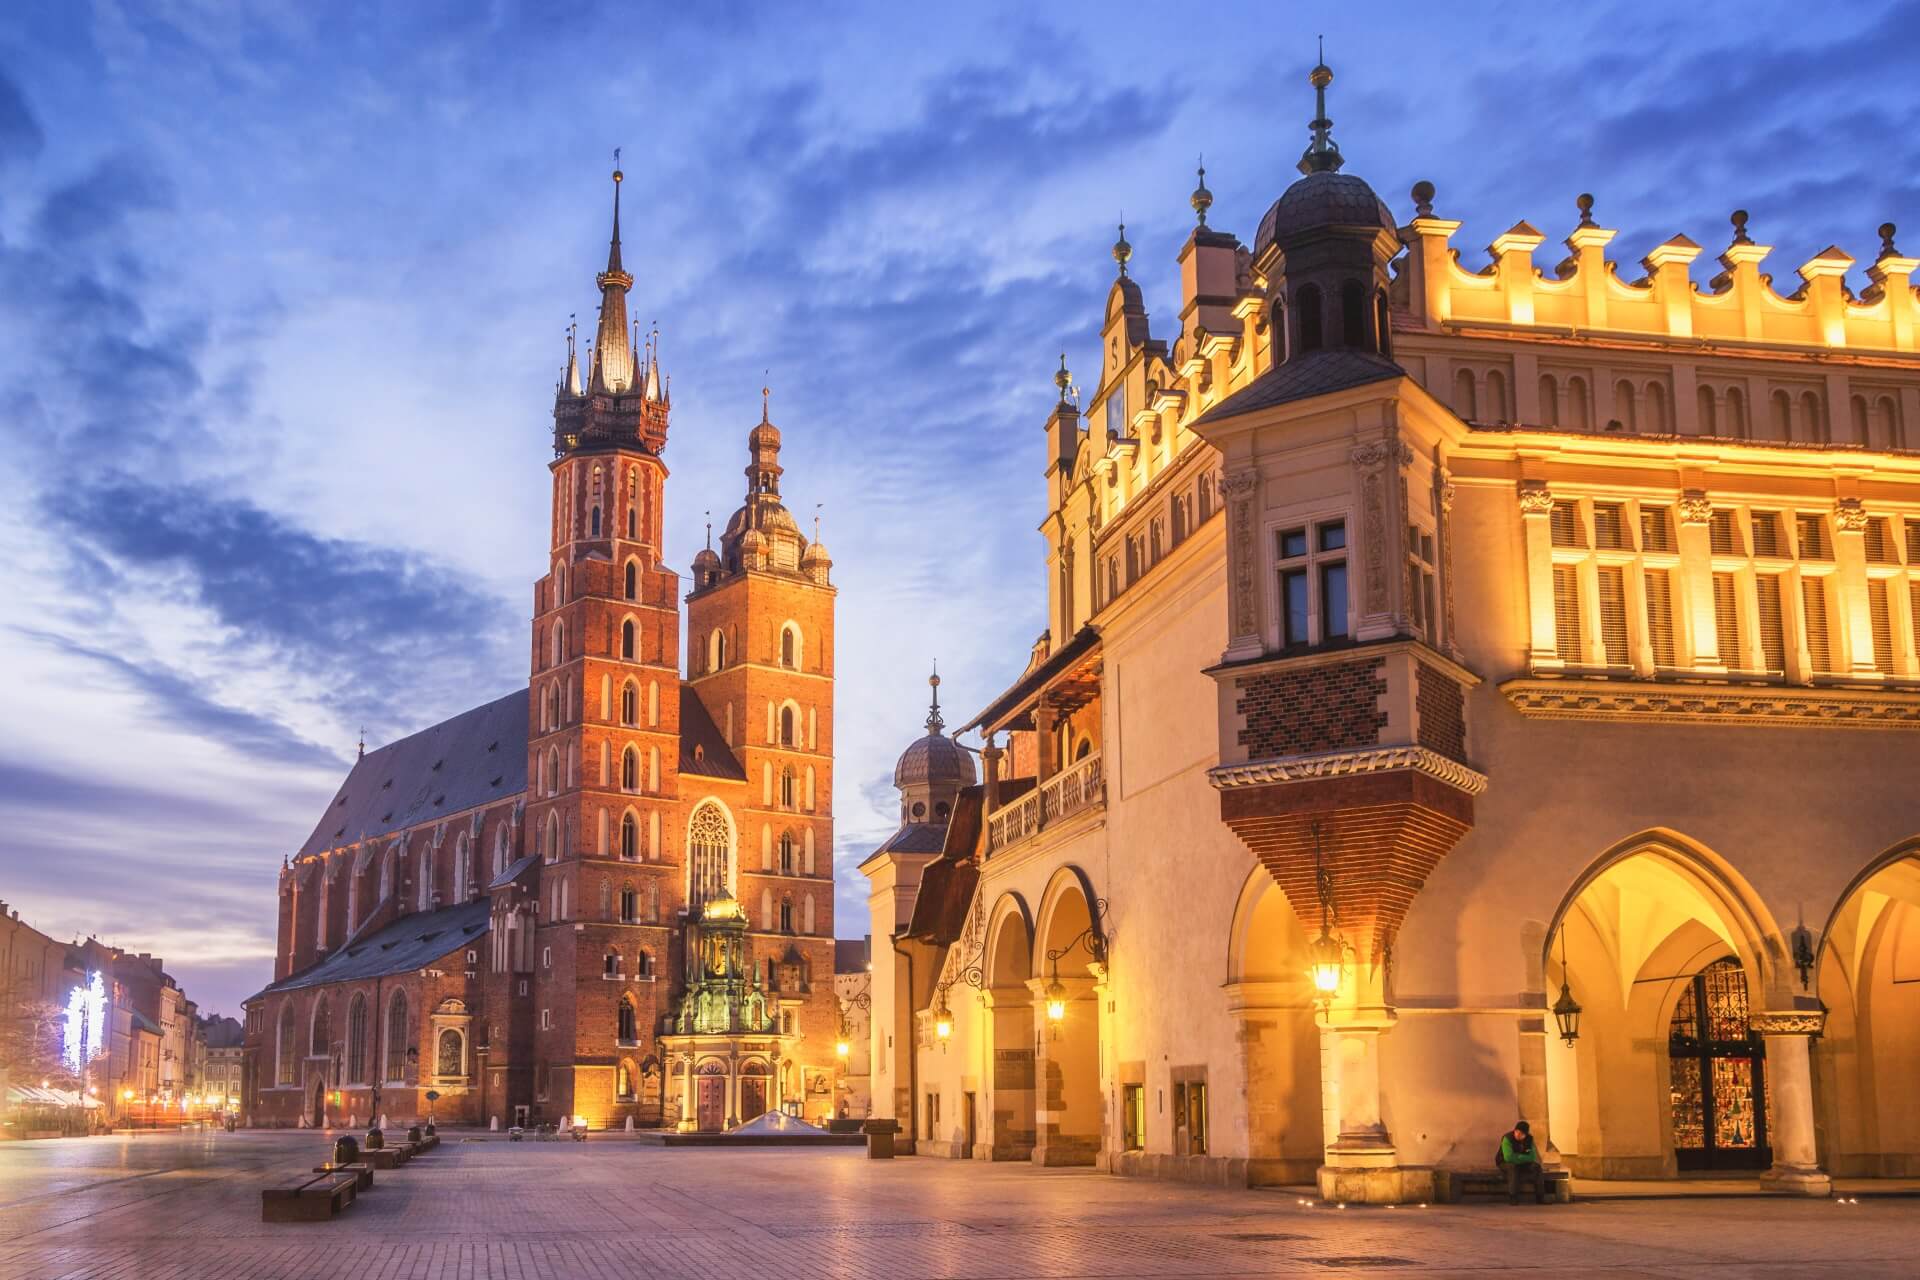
[(283, 288)]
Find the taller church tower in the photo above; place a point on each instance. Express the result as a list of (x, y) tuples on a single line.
[(604, 715)]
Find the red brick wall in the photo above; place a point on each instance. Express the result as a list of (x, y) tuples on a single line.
[(1304, 710), (1442, 707)]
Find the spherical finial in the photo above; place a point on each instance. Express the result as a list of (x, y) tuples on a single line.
[(1886, 239), (619, 176), (1584, 203), (1321, 76), (1739, 221), (1122, 251), (1423, 198), (1202, 198), (1062, 380)]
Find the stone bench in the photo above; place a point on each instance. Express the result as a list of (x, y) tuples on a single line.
[(388, 1157), (363, 1172), (1461, 1183), (317, 1199)]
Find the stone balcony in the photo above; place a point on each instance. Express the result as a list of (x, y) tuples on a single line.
[(1079, 788)]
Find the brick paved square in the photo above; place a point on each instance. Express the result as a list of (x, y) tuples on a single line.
[(172, 1208)]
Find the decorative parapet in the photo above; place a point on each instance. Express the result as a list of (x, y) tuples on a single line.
[(1586, 292), (1077, 789), (1343, 764), (1646, 702)]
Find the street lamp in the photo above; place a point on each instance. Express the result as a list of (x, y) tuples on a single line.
[(942, 1018), (1326, 954), (1096, 945), (1566, 1010), (841, 1048)]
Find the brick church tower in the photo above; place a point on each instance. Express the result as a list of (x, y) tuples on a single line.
[(603, 731)]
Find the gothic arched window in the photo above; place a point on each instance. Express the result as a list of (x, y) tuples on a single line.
[(285, 1050), (397, 1037), (632, 524), (629, 1023), (357, 1040), (786, 853), (452, 1058), (626, 639), (629, 837), (789, 647), (786, 915), (786, 788), (630, 769), (710, 854), (595, 522), (786, 726), (633, 581)]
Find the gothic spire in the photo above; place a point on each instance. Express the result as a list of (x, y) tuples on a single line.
[(1323, 153), (612, 348), (570, 380)]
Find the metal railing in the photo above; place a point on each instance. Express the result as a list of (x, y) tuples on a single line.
[(1080, 787)]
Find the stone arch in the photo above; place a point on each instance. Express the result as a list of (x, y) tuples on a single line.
[(1007, 1024), (1271, 995), (1069, 971), (1635, 928), (1867, 1123)]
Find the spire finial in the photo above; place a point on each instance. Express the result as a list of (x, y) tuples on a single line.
[(1584, 203), (1422, 199), (1122, 251), (363, 744), (1323, 153), (1886, 240), (816, 520), (1202, 198), (1739, 220), (934, 723), (1063, 379), (709, 530), (766, 392)]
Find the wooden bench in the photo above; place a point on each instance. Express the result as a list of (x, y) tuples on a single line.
[(1493, 1182), (390, 1157), (315, 1200), (364, 1180)]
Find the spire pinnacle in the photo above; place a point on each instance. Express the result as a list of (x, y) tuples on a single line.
[(612, 349), (709, 530), (934, 721), (363, 744), (570, 380), (1202, 198), (1063, 379), (766, 393), (1323, 153), (1122, 251)]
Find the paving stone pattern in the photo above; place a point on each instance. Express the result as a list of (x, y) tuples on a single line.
[(173, 1208)]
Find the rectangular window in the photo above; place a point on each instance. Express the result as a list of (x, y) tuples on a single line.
[(1612, 586), (1721, 538), (1812, 532), (1913, 544), (1133, 1117), (1766, 534), (1610, 526), (1191, 1098), (1566, 612), (1660, 616), (1565, 525), (1420, 578), (1882, 619), (1293, 542), (1656, 528), (1879, 541), (1726, 619), (1333, 600), (1814, 609), (1293, 604), (1773, 631)]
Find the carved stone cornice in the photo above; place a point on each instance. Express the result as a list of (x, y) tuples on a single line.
[(1648, 703), (1788, 1022), (1535, 498), (1341, 764)]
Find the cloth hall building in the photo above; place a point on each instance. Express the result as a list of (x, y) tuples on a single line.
[(1467, 692), (607, 896)]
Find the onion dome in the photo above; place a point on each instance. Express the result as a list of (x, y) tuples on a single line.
[(936, 761), (706, 560), (816, 553)]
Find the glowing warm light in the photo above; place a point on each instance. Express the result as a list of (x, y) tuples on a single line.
[(1328, 959), (943, 1025), (126, 1095), (842, 1048), (1056, 1002)]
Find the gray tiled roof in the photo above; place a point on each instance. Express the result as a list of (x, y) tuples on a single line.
[(1314, 374), (475, 758), (411, 942), (916, 837), (715, 759), (512, 873), (849, 955)]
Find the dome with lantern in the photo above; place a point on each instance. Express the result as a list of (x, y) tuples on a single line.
[(932, 770)]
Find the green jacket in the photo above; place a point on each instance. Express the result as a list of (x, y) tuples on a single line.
[(1511, 1154)]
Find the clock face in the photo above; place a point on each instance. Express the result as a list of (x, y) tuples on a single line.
[(1117, 414)]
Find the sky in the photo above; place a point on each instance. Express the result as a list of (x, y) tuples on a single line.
[(283, 290)]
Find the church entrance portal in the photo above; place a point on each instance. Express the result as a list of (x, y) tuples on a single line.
[(710, 1103), (753, 1094), (317, 1112)]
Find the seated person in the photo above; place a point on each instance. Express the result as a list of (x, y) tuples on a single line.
[(1520, 1161)]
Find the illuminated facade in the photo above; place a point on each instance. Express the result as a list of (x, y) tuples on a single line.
[(518, 909), (1459, 638)]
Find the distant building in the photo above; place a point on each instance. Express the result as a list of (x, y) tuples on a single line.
[(607, 896), (853, 990), (1467, 693)]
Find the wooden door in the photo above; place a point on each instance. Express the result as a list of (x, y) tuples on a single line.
[(753, 1097), (710, 1103)]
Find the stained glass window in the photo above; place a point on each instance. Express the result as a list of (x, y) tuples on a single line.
[(1718, 1099)]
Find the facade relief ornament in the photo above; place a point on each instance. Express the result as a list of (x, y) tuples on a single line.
[(1627, 700), (1695, 507), (1238, 486), (1535, 498), (1788, 1022), (1849, 516)]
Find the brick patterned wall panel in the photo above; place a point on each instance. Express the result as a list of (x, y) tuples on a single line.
[(1442, 707), (1306, 710)]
